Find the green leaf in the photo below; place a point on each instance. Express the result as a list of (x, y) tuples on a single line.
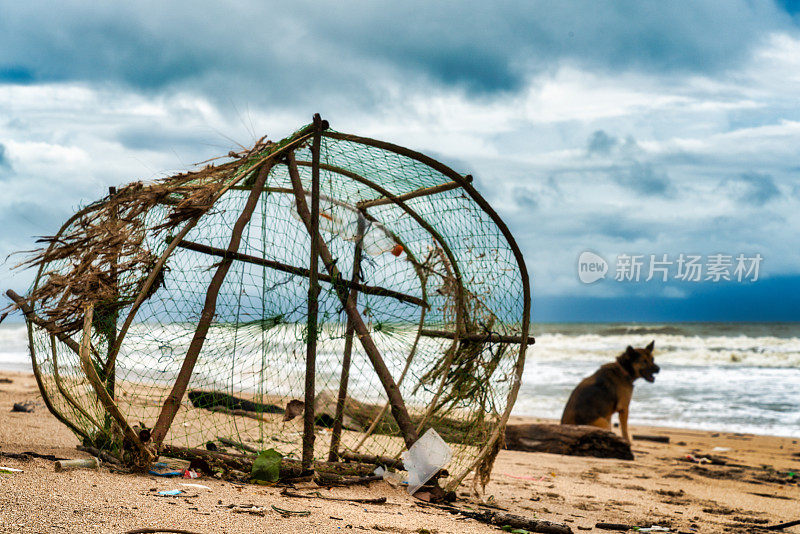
[(267, 466)]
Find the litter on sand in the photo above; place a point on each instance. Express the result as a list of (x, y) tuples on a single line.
[(10, 470), (171, 493), (196, 486)]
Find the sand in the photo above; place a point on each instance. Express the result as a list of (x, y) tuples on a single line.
[(658, 488)]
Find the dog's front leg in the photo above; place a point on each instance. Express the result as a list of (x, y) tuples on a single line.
[(623, 424)]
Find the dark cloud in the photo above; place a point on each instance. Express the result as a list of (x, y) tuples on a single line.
[(15, 75), (642, 178), (624, 228), (5, 165), (752, 188), (601, 143), (143, 138), (296, 51)]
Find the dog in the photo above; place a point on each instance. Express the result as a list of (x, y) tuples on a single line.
[(609, 390)]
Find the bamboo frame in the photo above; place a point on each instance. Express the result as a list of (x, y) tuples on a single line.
[(426, 191), (489, 337), (313, 303), (173, 400), (336, 431), (57, 378), (461, 320), (300, 136), (460, 309), (526, 291), (301, 271), (368, 432), (32, 318), (146, 456), (399, 410)]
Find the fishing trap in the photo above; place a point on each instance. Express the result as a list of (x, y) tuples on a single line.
[(329, 296)]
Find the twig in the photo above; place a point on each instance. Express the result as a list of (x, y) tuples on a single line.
[(782, 526), (237, 444), (612, 526), (103, 455), (296, 513), (318, 495), (324, 479), (515, 521)]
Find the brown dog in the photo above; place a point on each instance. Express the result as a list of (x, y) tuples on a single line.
[(609, 390)]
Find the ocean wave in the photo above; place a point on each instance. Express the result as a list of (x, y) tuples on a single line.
[(685, 350)]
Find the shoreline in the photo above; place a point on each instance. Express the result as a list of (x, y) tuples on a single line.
[(659, 487)]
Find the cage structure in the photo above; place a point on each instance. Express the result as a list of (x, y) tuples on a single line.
[(329, 296)]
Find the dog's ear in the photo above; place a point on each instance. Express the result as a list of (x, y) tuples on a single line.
[(649, 348), (629, 355)]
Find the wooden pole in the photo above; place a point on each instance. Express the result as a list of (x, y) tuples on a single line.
[(301, 271), (425, 191), (398, 406), (109, 369), (313, 302), (336, 432), (173, 400), (145, 455)]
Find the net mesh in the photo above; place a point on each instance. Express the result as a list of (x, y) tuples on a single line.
[(436, 264)]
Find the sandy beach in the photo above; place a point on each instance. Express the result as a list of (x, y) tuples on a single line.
[(660, 487)]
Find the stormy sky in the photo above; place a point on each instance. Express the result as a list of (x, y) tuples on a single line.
[(621, 128)]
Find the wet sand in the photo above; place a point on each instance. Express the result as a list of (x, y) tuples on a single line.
[(660, 487)]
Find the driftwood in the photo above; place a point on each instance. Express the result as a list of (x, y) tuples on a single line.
[(326, 473), (359, 415), (501, 519), (572, 440), (211, 399), (318, 495), (645, 437)]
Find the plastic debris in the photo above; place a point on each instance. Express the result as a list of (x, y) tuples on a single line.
[(171, 493), (349, 223), (161, 469), (196, 486), (426, 457), (10, 470), (81, 463), (188, 473)]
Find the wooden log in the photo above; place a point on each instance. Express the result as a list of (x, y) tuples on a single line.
[(301, 271), (211, 399), (398, 405), (362, 415), (173, 400), (646, 437), (571, 440)]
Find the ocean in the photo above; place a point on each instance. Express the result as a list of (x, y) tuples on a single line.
[(734, 377)]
